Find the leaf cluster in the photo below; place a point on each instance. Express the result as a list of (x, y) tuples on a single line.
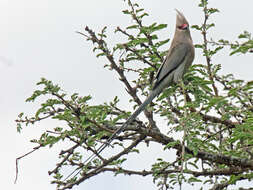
[(214, 111)]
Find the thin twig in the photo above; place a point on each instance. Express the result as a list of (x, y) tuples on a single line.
[(17, 160)]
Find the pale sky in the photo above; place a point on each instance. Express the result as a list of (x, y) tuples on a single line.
[(38, 39)]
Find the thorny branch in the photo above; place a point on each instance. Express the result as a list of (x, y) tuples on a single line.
[(17, 160), (130, 90), (98, 169), (149, 37), (208, 58), (214, 162)]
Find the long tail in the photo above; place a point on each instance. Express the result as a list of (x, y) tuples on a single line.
[(129, 120), (152, 95)]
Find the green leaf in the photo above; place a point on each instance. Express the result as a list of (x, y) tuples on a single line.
[(212, 10), (198, 46), (193, 180), (19, 127), (171, 144), (126, 12), (142, 15), (203, 3), (139, 10), (245, 34), (133, 26), (193, 164), (196, 27), (100, 54), (160, 27)]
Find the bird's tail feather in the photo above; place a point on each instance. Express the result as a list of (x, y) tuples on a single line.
[(133, 116), (128, 121), (148, 100)]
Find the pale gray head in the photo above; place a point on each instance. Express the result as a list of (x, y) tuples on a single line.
[(182, 25)]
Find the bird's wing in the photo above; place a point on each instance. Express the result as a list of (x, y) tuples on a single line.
[(174, 58)]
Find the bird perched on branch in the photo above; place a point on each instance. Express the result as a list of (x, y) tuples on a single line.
[(179, 58)]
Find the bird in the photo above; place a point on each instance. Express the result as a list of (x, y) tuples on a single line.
[(178, 60)]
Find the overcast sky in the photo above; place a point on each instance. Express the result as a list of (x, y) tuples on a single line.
[(38, 39)]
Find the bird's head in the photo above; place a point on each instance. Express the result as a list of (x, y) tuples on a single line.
[(181, 22)]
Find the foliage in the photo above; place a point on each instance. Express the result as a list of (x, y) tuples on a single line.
[(216, 117)]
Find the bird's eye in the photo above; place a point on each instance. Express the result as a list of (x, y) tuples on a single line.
[(183, 27)]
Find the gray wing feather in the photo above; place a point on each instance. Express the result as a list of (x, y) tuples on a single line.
[(174, 58)]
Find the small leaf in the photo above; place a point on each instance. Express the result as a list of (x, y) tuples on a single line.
[(132, 26), (126, 12), (100, 54)]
